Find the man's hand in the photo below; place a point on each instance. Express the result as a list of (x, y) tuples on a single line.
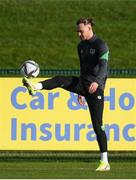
[(93, 87), (81, 100)]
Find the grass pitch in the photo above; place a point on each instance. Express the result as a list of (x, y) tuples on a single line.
[(65, 165), (66, 170)]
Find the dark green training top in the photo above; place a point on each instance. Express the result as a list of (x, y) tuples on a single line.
[(93, 54)]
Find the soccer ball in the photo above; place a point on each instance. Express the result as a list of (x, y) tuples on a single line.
[(30, 69)]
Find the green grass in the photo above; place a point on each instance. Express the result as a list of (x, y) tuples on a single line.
[(44, 30), (65, 170), (65, 165)]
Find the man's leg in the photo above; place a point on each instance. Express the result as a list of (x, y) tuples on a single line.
[(96, 105), (70, 83)]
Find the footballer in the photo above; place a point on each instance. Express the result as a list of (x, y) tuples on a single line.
[(93, 55)]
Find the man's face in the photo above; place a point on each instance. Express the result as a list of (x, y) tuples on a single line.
[(84, 31)]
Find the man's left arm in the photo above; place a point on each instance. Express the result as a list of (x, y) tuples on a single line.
[(103, 55), (103, 66)]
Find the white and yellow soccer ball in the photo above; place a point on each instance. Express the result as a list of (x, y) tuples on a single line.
[(30, 69)]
